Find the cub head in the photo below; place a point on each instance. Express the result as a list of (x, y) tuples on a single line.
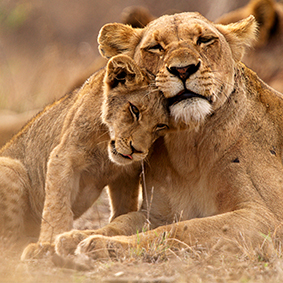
[(192, 59), (135, 112)]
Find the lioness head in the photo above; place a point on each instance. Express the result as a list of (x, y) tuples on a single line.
[(135, 112), (192, 58)]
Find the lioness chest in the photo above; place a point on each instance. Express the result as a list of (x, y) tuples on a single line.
[(177, 187)]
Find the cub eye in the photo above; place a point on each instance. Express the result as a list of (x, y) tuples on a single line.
[(155, 48), (205, 40), (160, 127), (135, 111)]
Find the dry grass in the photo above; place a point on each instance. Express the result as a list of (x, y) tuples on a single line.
[(159, 263)]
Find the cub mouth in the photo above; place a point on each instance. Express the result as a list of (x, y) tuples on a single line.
[(115, 152), (185, 94)]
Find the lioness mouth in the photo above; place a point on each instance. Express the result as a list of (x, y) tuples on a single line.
[(184, 94)]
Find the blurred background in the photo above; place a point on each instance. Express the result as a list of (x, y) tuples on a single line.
[(46, 46)]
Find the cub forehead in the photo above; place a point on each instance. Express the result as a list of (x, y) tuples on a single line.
[(182, 26)]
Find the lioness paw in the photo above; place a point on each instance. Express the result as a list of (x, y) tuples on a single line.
[(66, 243), (95, 247), (103, 248), (37, 250)]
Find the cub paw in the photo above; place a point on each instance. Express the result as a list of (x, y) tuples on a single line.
[(37, 251), (66, 243), (102, 248)]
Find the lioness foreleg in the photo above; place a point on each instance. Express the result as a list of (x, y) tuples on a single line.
[(229, 228), (126, 224)]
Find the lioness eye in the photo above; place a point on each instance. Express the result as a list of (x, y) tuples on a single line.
[(156, 48), (160, 127), (135, 111), (205, 40)]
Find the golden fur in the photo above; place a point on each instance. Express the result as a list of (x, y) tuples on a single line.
[(57, 166), (218, 178), (267, 55)]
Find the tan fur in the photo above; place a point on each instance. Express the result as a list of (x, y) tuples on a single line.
[(57, 166), (266, 57), (220, 178)]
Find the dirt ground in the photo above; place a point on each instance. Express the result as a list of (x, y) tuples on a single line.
[(45, 49)]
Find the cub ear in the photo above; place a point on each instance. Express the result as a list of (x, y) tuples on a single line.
[(122, 69), (239, 35), (114, 39)]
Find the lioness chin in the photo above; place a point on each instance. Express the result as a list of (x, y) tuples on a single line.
[(54, 169), (221, 177)]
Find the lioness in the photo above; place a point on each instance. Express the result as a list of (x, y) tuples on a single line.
[(56, 167), (222, 176)]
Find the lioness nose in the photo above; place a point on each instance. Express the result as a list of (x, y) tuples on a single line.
[(184, 72)]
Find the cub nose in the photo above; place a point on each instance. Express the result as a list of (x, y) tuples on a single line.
[(184, 72)]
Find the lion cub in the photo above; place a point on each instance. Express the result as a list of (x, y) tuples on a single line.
[(54, 169)]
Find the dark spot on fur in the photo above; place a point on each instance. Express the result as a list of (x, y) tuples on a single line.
[(185, 228), (258, 129), (272, 151), (225, 228), (236, 160), (216, 147)]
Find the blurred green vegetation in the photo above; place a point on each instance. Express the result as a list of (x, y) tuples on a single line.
[(14, 17)]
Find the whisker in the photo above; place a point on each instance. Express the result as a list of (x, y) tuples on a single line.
[(102, 142), (105, 133)]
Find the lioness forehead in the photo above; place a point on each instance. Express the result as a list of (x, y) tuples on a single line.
[(179, 25)]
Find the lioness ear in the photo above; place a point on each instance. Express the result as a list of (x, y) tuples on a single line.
[(122, 69), (114, 39), (239, 35)]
